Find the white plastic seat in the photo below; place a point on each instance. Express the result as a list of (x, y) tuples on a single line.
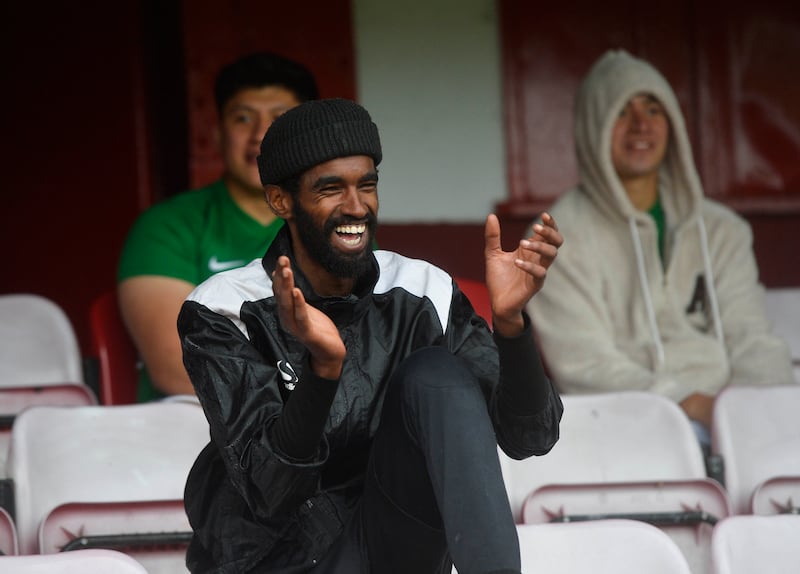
[(783, 310), (108, 455), (629, 436), (625, 454), (9, 545), (600, 547), (38, 345), (777, 495), (78, 562), (749, 544), (667, 503), (40, 361), (608, 546), (756, 431), (154, 532)]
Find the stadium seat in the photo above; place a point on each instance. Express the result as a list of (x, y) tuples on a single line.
[(748, 544), (662, 503), (40, 361), (154, 532), (78, 562), (623, 455), (8, 535), (629, 436), (599, 547), (39, 346), (783, 310), (478, 295), (756, 433), (116, 353), (777, 495), (108, 455)]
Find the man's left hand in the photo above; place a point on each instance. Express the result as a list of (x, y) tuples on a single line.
[(513, 277)]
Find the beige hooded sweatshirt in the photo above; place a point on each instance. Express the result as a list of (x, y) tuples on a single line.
[(611, 316)]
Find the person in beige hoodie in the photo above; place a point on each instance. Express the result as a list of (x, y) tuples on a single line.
[(657, 288)]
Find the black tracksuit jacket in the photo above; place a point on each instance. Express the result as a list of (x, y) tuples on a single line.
[(254, 509)]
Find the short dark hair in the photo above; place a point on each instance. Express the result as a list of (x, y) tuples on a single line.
[(261, 69)]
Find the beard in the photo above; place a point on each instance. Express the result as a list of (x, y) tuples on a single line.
[(317, 242)]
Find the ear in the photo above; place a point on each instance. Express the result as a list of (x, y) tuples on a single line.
[(279, 200)]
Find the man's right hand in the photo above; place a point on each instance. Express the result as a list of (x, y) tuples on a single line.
[(309, 325)]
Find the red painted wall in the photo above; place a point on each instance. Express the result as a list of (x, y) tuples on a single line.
[(75, 161), (109, 108), (318, 35)]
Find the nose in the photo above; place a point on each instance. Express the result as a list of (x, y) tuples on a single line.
[(260, 128), (640, 121), (352, 203)]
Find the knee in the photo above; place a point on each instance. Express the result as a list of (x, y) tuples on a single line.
[(434, 367), (434, 371)]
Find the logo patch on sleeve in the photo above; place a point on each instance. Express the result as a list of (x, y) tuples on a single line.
[(287, 374)]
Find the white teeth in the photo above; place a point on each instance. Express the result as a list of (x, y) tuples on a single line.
[(641, 145), (352, 229)]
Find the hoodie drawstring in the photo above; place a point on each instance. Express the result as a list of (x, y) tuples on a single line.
[(648, 301), (712, 292)]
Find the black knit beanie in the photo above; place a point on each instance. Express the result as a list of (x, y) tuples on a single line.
[(315, 132)]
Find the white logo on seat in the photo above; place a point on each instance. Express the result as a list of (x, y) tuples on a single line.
[(216, 265), (287, 374)]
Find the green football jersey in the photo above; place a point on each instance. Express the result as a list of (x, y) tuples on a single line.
[(192, 236)]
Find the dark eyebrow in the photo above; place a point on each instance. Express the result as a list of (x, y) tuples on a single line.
[(334, 179), (241, 106), (326, 180)]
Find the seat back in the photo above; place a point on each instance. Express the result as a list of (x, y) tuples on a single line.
[(624, 454), (38, 345), (478, 295), (686, 510), (125, 453), (611, 437), (777, 495), (14, 399), (600, 547), (40, 361), (783, 310), (9, 544), (94, 561), (756, 431), (115, 351), (154, 532), (749, 544)]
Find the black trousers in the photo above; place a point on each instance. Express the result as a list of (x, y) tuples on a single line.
[(434, 491)]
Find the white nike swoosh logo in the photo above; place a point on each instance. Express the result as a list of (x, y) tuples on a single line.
[(216, 266)]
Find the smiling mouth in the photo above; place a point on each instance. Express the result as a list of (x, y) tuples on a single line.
[(351, 234), (640, 146)]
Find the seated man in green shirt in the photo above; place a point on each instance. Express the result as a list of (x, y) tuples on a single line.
[(180, 242)]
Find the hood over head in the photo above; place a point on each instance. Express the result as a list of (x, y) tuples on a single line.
[(613, 80)]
